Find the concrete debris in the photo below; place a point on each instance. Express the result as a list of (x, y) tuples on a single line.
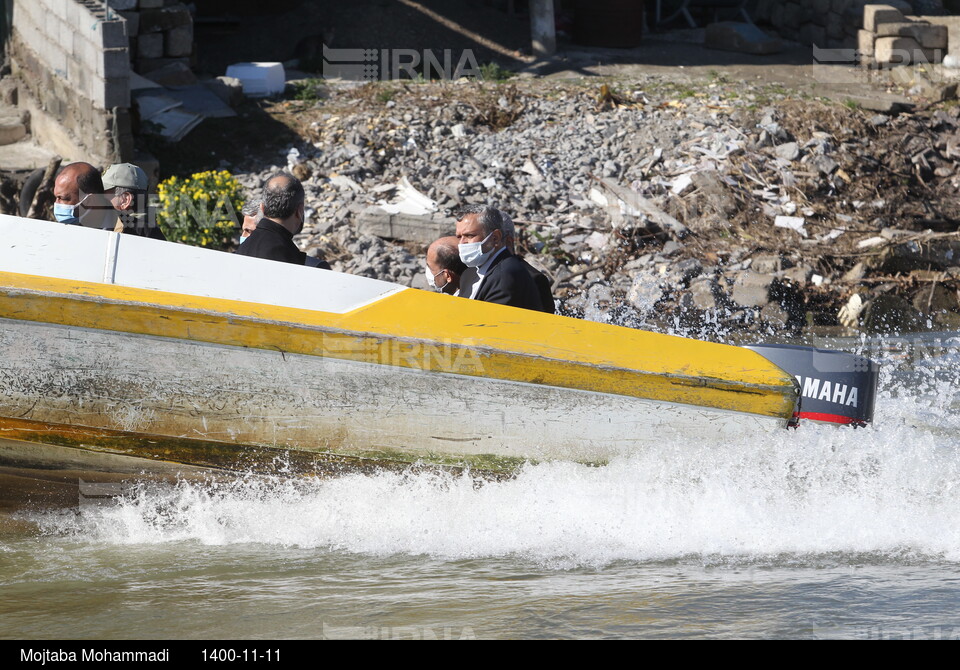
[(654, 214)]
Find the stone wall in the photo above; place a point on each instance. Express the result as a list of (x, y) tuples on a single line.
[(72, 63), (828, 24)]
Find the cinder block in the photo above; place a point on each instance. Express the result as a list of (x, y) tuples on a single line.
[(85, 52), (51, 27), (902, 50), (55, 58), (873, 15), (179, 41), (56, 7), (150, 45), (928, 35), (132, 23), (96, 91), (113, 34), (79, 76), (72, 13), (117, 93), (114, 63), (157, 20), (65, 38), (865, 41), (952, 24), (122, 5)]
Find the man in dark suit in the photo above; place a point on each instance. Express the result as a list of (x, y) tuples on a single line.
[(540, 280), (493, 274), (283, 216)]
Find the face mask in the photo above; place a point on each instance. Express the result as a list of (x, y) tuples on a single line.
[(243, 239), (432, 279), (472, 253), (66, 213)]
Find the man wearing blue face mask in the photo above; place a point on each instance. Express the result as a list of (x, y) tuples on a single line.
[(78, 196), (493, 274)]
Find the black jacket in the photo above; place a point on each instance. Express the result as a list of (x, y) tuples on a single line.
[(544, 288), (507, 282), (273, 241)]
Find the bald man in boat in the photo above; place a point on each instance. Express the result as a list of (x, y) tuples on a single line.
[(493, 273), (283, 211), (444, 267)]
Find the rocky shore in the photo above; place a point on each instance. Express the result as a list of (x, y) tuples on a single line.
[(700, 209)]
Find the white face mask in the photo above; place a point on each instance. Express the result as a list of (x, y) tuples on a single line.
[(472, 254), (432, 278)]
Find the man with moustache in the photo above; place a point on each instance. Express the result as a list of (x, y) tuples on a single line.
[(493, 274)]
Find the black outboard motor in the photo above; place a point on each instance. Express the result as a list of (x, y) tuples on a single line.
[(835, 387)]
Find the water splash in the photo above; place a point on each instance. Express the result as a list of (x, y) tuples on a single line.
[(888, 491)]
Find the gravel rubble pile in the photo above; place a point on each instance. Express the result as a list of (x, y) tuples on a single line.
[(704, 209)]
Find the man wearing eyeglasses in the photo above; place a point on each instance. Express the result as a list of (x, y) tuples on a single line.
[(125, 185)]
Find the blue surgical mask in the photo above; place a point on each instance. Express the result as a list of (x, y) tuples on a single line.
[(243, 239), (66, 213), (472, 254)]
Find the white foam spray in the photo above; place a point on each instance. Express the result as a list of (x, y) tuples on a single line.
[(888, 491)]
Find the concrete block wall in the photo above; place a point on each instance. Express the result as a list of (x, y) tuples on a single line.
[(72, 61), (831, 24), (160, 32)]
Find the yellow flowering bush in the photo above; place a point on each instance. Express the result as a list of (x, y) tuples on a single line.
[(201, 210)]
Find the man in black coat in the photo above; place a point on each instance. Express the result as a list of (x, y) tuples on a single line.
[(283, 217), (540, 280), (493, 274)]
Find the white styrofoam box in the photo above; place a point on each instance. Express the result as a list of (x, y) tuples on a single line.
[(259, 79)]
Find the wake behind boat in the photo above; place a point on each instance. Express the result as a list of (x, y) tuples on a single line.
[(124, 354)]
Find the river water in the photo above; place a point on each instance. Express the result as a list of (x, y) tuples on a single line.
[(814, 533)]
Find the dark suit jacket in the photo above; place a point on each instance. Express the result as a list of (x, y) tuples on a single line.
[(273, 241), (543, 288), (507, 282)]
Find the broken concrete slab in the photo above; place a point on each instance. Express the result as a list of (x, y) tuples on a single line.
[(884, 103), (741, 37), (374, 220)]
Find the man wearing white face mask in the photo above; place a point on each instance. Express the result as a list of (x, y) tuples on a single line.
[(444, 267), (493, 274)]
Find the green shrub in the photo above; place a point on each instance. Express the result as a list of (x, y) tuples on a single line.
[(201, 210)]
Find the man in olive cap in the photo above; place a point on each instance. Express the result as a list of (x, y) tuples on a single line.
[(126, 184)]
